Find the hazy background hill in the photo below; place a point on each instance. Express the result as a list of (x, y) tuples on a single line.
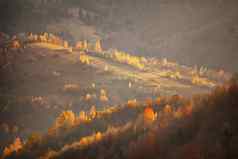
[(188, 31)]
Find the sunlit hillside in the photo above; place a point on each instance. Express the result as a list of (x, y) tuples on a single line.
[(63, 101)]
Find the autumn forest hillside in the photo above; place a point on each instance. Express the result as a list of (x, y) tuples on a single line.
[(118, 79), (204, 126), (84, 101)]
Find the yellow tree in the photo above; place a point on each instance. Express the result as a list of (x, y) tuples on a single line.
[(149, 114), (132, 103), (79, 45), (83, 117), (98, 136), (98, 47), (66, 44), (16, 44), (93, 112), (66, 118), (85, 45), (103, 96)]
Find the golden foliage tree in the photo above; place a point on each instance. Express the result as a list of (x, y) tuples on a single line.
[(88, 97), (83, 117), (158, 101), (124, 57), (79, 45), (98, 47), (65, 119), (15, 147), (16, 44), (85, 45), (103, 95), (66, 44), (98, 136), (149, 114), (167, 109), (132, 103), (93, 112), (84, 59)]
